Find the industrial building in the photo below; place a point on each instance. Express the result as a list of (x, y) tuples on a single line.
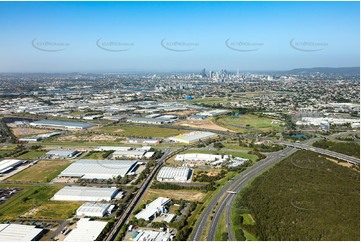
[(61, 124), (144, 141), (216, 112), (192, 137), (153, 209), (150, 235), (61, 154), (19, 232), (174, 174), (91, 194), (197, 157), (86, 230), (39, 137), (8, 165), (108, 148), (92, 209), (99, 169), (149, 120), (131, 154)]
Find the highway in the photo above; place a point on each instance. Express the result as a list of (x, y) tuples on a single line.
[(222, 197)]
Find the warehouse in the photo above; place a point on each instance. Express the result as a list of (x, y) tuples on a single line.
[(108, 148), (191, 137), (131, 154), (174, 174), (215, 112), (99, 169), (151, 210), (92, 209), (91, 194), (61, 124), (18, 232), (86, 230), (148, 120), (197, 157), (61, 154), (8, 165)]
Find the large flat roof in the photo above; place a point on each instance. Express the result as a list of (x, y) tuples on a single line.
[(192, 136), (86, 230), (99, 169), (62, 152), (87, 191), (63, 124), (18, 232), (6, 165)]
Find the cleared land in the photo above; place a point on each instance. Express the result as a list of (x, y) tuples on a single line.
[(305, 197), (23, 132), (189, 195), (140, 131), (33, 202), (43, 171), (202, 124), (247, 123)]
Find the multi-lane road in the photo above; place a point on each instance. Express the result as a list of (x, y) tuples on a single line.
[(223, 197)]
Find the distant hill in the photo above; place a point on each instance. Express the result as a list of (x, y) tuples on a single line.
[(327, 70)]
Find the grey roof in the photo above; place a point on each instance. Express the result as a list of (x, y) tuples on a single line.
[(99, 169), (63, 123), (87, 191), (64, 153)]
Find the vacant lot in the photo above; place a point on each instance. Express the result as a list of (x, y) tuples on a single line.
[(33, 154), (248, 122), (97, 155), (189, 195), (23, 132), (43, 171), (33, 202), (202, 124), (305, 197), (140, 131)]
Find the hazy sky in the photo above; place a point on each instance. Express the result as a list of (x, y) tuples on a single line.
[(170, 36)]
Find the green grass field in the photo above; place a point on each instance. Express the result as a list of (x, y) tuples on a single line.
[(43, 171), (96, 155), (347, 148), (4, 152), (304, 197), (33, 154), (222, 228), (247, 123), (36, 198), (140, 131)]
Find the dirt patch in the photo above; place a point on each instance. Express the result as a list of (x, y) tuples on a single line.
[(189, 195), (23, 132), (30, 213), (345, 164), (87, 138), (205, 124), (182, 113)]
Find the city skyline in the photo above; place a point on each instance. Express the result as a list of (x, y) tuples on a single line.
[(177, 36)]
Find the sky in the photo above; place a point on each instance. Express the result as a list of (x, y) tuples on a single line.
[(177, 36)]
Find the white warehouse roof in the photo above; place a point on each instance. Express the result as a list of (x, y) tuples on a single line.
[(18, 232), (197, 157), (192, 136), (62, 153), (94, 209), (174, 174), (86, 230), (77, 193), (7, 165), (99, 169)]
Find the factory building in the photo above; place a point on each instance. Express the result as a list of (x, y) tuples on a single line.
[(92, 209), (61, 154), (19, 232), (197, 157), (86, 230), (61, 124), (192, 137), (91, 194), (131, 154), (8, 165), (153, 209), (99, 169), (174, 174)]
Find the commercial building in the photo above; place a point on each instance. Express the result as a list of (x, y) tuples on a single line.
[(148, 120), (153, 209), (99, 169), (174, 174), (39, 137), (192, 137), (61, 154), (108, 148), (150, 235), (197, 157), (86, 230), (216, 112), (61, 124), (92, 209), (144, 141), (8, 165), (131, 154), (91, 194), (18, 232)]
